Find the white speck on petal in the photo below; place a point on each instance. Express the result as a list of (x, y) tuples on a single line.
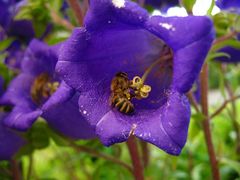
[(167, 26), (118, 3), (84, 112)]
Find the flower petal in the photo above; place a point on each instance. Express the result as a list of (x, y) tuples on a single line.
[(167, 127), (37, 55), (118, 48), (190, 38), (10, 142), (232, 52), (18, 91), (113, 129), (22, 117), (62, 113)]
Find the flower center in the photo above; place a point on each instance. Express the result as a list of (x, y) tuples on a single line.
[(123, 90), (42, 88)]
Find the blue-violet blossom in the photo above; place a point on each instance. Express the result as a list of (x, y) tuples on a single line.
[(119, 36), (21, 30), (38, 91)]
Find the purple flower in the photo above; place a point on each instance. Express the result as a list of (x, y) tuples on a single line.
[(230, 5), (164, 5), (119, 36), (21, 30), (38, 91), (10, 142), (15, 53)]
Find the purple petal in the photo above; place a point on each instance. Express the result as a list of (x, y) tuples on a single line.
[(232, 52), (112, 128), (167, 127), (184, 35), (10, 142), (22, 117), (39, 58), (232, 5), (62, 113), (22, 29), (18, 91)]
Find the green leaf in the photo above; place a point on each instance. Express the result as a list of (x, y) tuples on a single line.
[(237, 24), (37, 136), (216, 55), (234, 164), (198, 116), (4, 44), (58, 139)]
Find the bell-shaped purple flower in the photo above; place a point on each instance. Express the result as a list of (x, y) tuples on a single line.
[(38, 91), (119, 37)]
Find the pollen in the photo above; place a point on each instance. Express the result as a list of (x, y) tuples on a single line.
[(140, 89)]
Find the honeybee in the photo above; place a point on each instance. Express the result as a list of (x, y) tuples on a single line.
[(120, 93)]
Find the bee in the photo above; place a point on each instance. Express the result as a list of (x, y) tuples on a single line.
[(120, 93)]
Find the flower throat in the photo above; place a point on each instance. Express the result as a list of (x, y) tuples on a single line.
[(123, 90), (42, 88)]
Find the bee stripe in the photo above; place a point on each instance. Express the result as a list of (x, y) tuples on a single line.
[(125, 104)]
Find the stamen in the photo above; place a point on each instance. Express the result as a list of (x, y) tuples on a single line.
[(42, 88), (137, 84)]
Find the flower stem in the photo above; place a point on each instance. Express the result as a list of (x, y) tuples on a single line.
[(226, 37), (149, 69), (74, 4), (30, 167), (95, 153), (59, 20), (206, 125), (135, 156), (222, 107), (233, 113), (16, 174), (145, 153)]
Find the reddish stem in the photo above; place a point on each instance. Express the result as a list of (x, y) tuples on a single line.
[(206, 125), (16, 174), (74, 4), (135, 156), (226, 37), (145, 153)]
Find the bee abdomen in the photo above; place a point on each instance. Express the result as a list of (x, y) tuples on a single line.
[(122, 104)]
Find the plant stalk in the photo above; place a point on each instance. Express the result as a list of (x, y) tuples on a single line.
[(205, 123), (135, 156)]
